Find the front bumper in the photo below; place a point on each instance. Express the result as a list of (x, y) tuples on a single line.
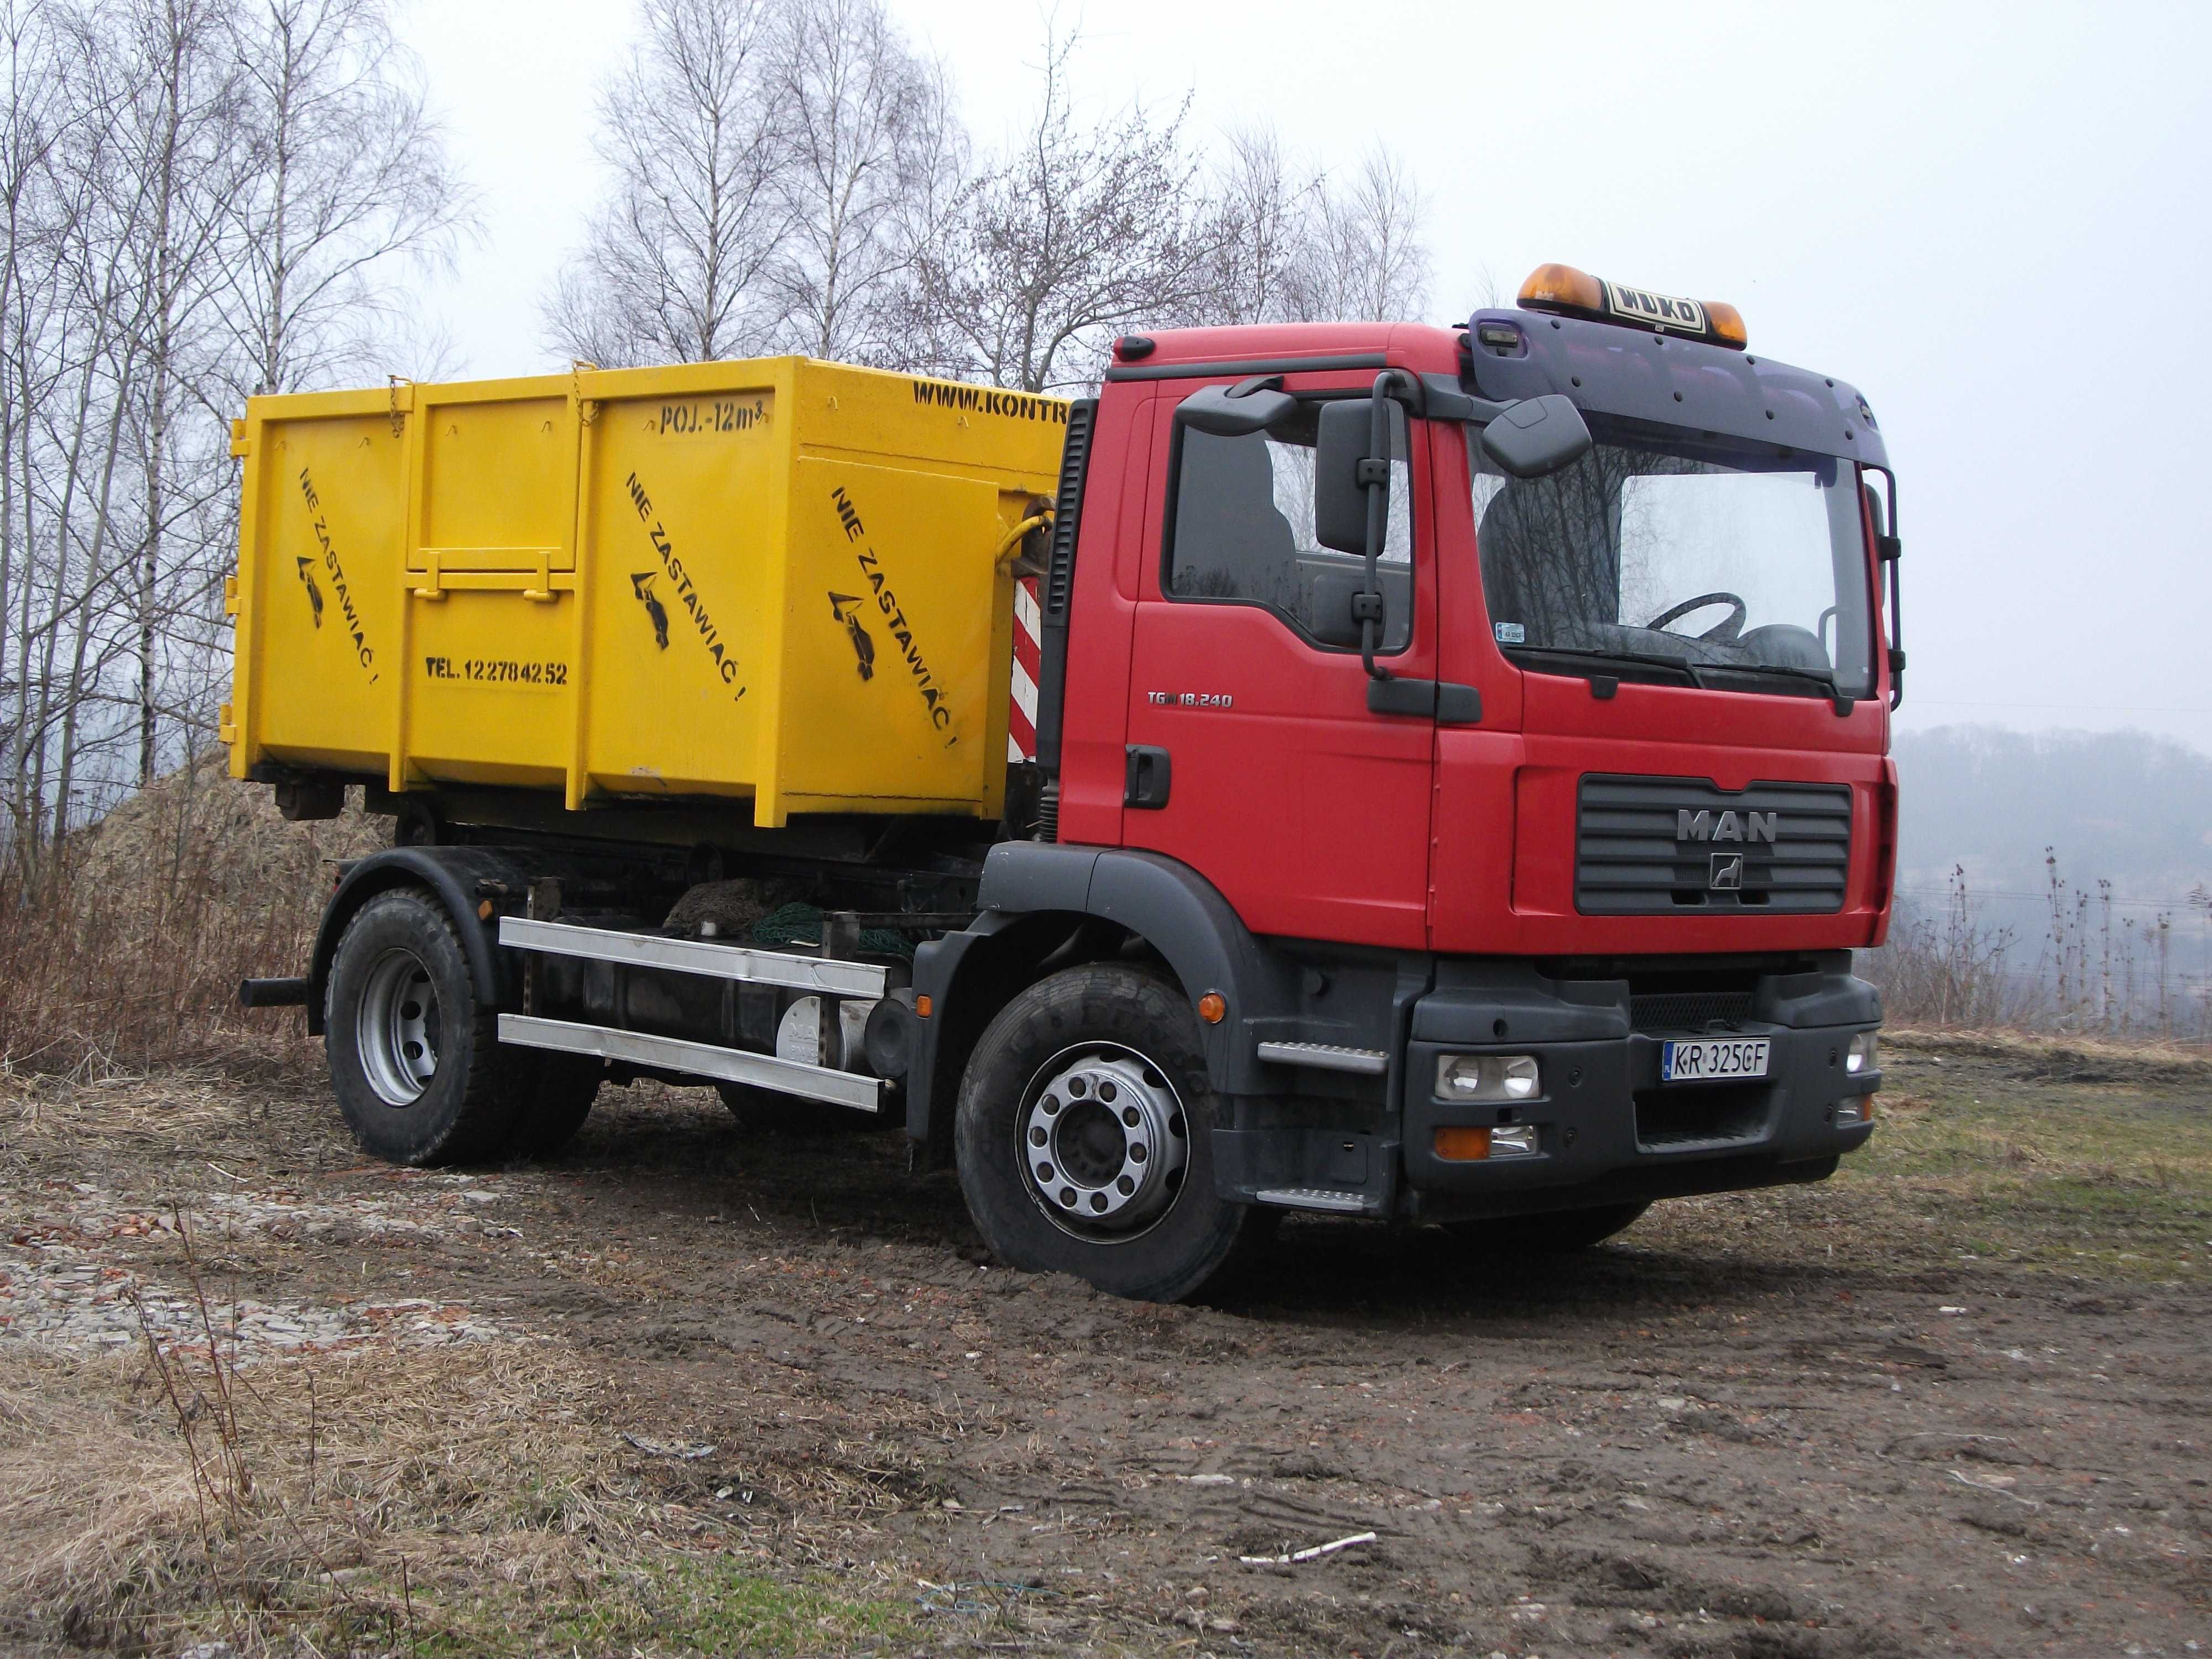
[(1607, 1130)]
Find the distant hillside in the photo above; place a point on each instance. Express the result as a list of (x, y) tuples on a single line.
[(2125, 807)]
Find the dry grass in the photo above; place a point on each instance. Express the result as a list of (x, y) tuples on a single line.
[(466, 1501), (126, 951)]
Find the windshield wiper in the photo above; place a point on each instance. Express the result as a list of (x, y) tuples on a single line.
[(1604, 663), (1822, 677)]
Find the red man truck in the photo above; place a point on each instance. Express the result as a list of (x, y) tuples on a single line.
[(1459, 785)]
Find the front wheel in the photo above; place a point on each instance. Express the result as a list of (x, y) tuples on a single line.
[(1084, 1137)]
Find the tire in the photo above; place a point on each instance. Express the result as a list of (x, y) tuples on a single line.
[(415, 1060), (1054, 1080), (552, 1095), (1562, 1232), (766, 1111)]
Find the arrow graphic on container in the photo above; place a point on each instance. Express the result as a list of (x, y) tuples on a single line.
[(846, 608)]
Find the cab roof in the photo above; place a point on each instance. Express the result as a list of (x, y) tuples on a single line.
[(1605, 368)]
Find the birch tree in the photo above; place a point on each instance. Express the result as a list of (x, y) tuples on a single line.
[(689, 131), (201, 202), (349, 193), (873, 157), (1305, 244)]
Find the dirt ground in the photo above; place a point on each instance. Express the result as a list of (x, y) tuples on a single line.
[(682, 1389)]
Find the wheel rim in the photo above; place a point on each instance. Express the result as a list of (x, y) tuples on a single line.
[(1104, 1142), (398, 1028)]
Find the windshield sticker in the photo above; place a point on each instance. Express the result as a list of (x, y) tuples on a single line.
[(1512, 634)]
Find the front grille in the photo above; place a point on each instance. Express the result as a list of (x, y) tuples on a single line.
[(1665, 846), (1688, 1011)]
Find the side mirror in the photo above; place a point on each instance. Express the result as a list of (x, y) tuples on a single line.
[(1220, 413), (1340, 493), (1537, 436)]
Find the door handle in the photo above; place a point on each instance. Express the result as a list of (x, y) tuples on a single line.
[(1441, 700), (1145, 785)]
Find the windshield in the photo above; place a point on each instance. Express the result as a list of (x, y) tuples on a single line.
[(1712, 562)]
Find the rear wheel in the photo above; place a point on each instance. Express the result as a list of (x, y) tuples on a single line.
[(1084, 1137), (1559, 1233), (415, 1060), (553, 1095)]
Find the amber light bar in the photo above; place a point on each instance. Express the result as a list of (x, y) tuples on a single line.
[(1577, 293)]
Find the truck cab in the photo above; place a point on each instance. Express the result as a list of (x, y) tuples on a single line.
[(1511, 843)]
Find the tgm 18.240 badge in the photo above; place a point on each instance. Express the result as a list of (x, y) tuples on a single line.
[(1190, 699)]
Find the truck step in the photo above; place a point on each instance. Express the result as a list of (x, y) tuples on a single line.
[(1327, 1057), (690, 955), (705, 1059), (1330, 1200)]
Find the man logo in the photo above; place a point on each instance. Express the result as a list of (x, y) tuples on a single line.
[(1727, 873), (1726, 826)]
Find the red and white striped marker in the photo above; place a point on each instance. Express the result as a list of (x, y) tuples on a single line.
[(1029, 657)]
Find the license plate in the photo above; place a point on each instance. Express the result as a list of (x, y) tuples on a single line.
[(1713, 1060)]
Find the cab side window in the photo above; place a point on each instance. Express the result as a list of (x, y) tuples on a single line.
[(1240, 532)]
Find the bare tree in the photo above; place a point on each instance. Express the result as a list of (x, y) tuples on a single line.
[(1266, 206), (1364, 258), (180, 120), (672, 269), (200, 201), (1081, 231), (874, 156), (1301, 246), (347, 189)]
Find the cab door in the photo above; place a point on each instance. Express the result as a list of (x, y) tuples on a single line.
[(1252, 755)]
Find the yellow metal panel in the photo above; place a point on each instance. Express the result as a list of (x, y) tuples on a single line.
[(325, 656), (499, 476), (887, 636), (683, 557)]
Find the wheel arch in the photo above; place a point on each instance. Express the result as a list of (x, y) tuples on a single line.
[(450, 875), (1037, 900)]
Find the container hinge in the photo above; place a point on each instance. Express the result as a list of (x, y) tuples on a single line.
[(432, 585), (241, 440), (230, 596)]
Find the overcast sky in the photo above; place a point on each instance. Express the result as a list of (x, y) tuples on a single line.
[(1996, 220)]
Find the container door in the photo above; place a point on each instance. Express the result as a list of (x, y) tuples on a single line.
[(1252, 754)]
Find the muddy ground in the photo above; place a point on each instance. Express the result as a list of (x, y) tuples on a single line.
[(1959, 1399)]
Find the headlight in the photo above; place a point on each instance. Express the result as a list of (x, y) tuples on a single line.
[(1480, 1078), (1862, 1054)]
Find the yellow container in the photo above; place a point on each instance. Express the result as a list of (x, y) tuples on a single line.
[(783, 581)]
